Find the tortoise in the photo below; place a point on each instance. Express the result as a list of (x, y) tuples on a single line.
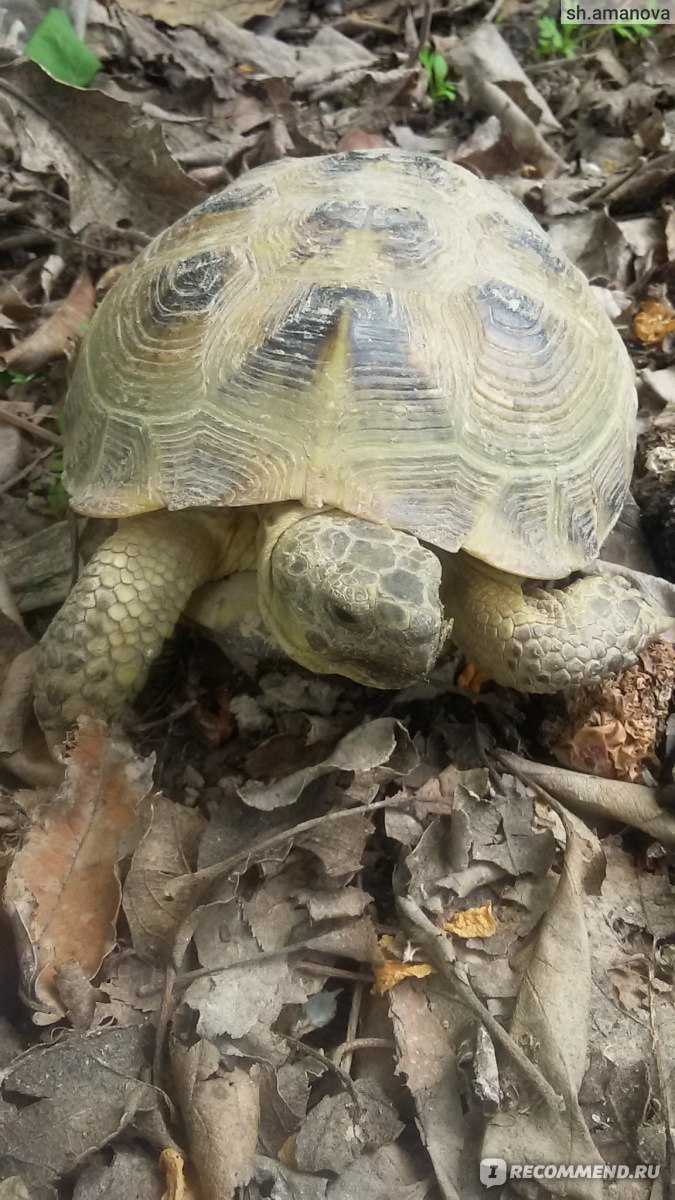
[(370, 377)]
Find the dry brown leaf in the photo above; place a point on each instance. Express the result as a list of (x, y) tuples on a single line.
[(221, 1113), (607, 799), (361, 751), (115, 161), (63, 890), (472, 922), (551, 1022), (196, 12), (23, 750), (167, 851), (654, 320), (340, 1129), (424, 1018), (64, 1102), (65, 326), (497, 84)]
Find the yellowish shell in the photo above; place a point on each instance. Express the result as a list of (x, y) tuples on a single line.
[(375, 331)]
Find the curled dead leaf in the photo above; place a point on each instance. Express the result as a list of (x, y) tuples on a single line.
[(63, 890), (551, 1019), (472, 922), (608, 799), (64, 327), (221, 1113)]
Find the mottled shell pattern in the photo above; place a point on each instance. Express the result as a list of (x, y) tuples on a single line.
[(379, 332)]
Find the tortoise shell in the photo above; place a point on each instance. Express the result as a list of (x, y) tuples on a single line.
[(379, 332)]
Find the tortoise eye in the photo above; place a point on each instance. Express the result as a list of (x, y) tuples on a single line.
[(343, 615)]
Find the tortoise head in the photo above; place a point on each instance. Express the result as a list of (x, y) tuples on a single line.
[(346, 596)]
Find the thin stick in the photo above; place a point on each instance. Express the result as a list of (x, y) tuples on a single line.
[(163, 1019), (210, 874), (37, 458), (615, 184), (28, 426), (352, 1028), (326, 972), (435, 943), (425, 27), (370, 1043), (327, 1063)]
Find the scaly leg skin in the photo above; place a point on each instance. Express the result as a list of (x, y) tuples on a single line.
[(96, 654), (535, 640)]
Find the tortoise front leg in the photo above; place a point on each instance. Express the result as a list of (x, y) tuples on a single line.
[(96, 654), (536, 640)]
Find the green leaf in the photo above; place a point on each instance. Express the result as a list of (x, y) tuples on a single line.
[(56, 47), (633, 30), (440, 69), (8, 377)]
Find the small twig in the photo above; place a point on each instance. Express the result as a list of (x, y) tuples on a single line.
[(326, 972), (30, 427), (174, 715), (187, 977), (566, 63), (371, 1043), (494, 11), (614, 184), (435, 944), (57, 236), (425, 31), (217, 870), (37, 458), (163, 1019), (328, 1064), (352, 1025)]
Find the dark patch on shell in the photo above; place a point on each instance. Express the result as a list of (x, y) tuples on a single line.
[(188, 286), (346, 163), (508, 310), (376, 335), (424, 166), (519, 237), (232, 199), (406, 234)]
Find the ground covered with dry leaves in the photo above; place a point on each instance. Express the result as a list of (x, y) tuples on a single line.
[(288, 937)]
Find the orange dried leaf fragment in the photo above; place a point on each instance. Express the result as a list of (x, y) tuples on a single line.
[(396, 965), (393, 971), (472, 922), (654, 320), (176, 1185)]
